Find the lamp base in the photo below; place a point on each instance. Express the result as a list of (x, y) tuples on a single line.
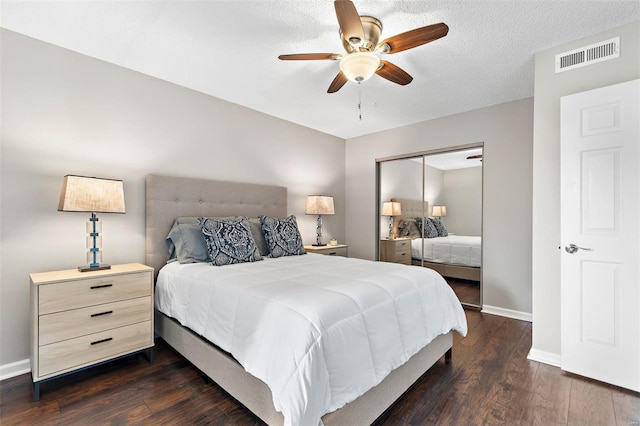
[(88, 268), (318, 245)]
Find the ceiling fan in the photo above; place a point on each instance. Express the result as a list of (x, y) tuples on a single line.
[(360, 35)]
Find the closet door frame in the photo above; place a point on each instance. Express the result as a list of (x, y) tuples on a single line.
[(423, 154)]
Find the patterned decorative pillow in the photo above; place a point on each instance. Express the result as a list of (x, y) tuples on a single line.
[(430, 230), (282, 236), (442, 231), (408, 228), (229, 240)]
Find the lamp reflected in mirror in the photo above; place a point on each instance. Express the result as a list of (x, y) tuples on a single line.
[(439, 212), (391, 209)]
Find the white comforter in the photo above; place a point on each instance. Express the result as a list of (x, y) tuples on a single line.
[(318, 330), (454, 249)]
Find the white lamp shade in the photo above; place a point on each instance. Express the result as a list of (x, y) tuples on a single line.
[(90, 194), (439, 211), (391, 208), (319, 204), (359, 66)]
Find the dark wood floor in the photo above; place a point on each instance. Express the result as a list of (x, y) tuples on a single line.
[(490, 381), (468, 292)]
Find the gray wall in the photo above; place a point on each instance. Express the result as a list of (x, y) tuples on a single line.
[(433, 187), (506, 131), (65, 113), (462, 190), (549, 87), (399, 179)]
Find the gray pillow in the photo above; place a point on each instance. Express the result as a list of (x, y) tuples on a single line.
[(408, 228), (186, 243), (282, 236), (258, 236), (229, 240)]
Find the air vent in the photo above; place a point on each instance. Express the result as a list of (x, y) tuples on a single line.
[(587, 55)]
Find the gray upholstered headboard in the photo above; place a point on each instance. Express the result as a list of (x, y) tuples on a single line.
[(412, 208), (168, 197)]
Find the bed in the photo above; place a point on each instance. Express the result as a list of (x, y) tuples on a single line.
[(337, 279), (454, 256)]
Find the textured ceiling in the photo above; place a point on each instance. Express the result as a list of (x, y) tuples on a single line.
[(229, 49), (454, 159)]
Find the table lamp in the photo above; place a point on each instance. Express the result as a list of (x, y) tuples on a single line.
[(319, 204), (391, 209), (92, 195)]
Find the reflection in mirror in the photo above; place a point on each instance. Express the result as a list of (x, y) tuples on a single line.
[(441, 199), (399, 179)]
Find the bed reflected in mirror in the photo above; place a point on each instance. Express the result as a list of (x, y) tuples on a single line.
[(440, 223)]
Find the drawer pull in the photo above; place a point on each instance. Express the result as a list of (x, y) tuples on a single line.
[(333, 253), (102, 341), (101, 313), (94, 287)]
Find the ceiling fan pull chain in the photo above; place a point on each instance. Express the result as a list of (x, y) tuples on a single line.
[(360, 101)]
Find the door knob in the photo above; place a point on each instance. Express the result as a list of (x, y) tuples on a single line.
[(572, 248)]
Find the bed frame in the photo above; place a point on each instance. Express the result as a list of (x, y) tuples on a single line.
[(416, 208), (169, 197)]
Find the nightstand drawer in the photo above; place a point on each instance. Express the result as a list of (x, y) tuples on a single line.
[(339, 251), (334, 251), (403, 256), (329, 250), (80, 322), (402, 245), (67, 295), (75, 353), (398, 250)]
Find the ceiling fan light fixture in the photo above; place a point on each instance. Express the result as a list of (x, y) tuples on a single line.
[(359, 66), (360, 35)]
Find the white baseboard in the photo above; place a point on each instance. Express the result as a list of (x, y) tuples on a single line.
[(17, 368), (544, 357), (494, 310)]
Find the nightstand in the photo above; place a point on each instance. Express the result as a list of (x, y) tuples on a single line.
[(80, 319), (397, 250), (337, 250)]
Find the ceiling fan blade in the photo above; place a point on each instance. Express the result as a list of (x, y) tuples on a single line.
[(337, 83), (310, 57), (413, 38), (394, 73), (349, 21)]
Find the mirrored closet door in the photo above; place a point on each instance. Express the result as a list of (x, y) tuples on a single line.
[(430, 215)]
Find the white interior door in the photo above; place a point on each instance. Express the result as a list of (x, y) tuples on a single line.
[(600, 192)]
